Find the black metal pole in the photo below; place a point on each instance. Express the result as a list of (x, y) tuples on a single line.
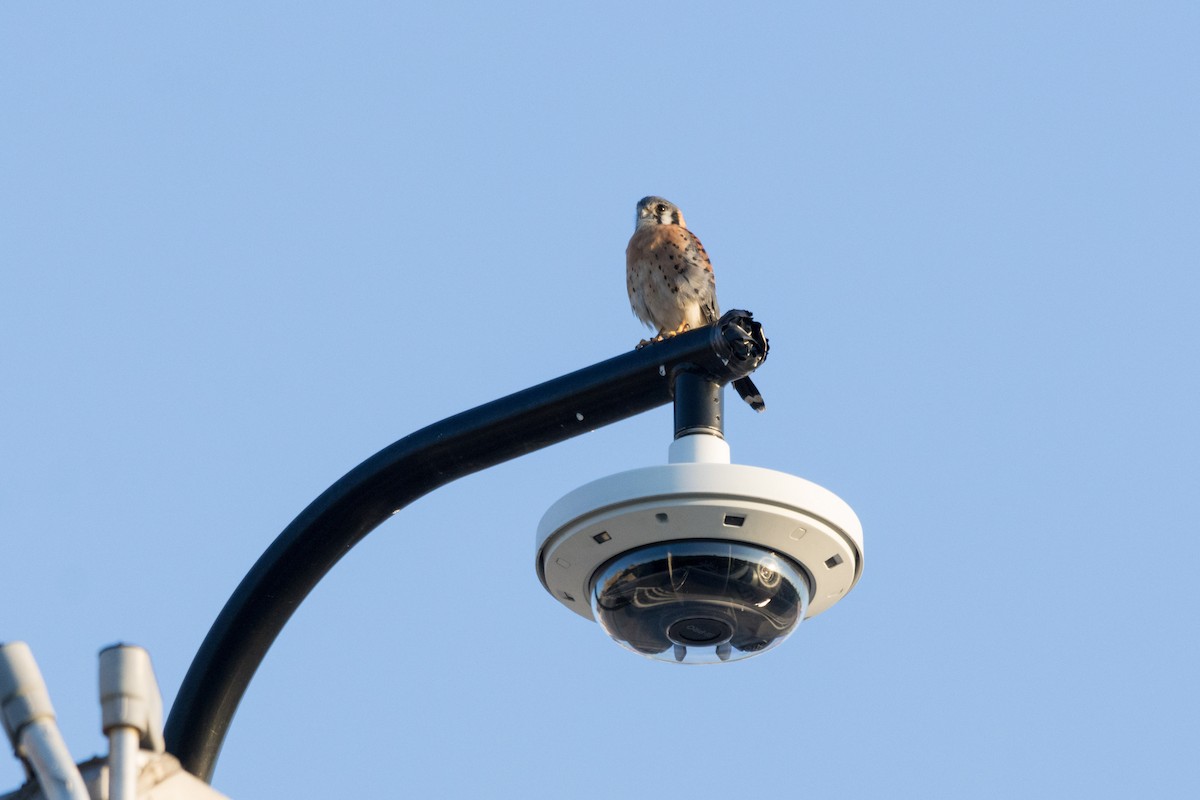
[(400, 473), (699, 404)]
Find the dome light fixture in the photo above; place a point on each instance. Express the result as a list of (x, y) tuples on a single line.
[(699, 560)]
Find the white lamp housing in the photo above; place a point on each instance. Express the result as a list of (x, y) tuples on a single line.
[(700, 560)]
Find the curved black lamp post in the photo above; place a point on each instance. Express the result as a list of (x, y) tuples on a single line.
[(415, 465)]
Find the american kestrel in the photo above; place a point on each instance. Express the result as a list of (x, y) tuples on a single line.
[(670, 279)]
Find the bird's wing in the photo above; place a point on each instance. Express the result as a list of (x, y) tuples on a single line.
[(700, 271)]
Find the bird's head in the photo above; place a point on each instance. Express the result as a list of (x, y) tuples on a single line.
[(657, 211)]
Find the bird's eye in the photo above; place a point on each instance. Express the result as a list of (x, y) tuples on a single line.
[(660, 208)]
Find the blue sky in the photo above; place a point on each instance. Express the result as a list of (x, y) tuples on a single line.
[(245, 248)]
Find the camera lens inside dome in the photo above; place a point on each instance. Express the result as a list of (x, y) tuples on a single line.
[(699, 601), (700, 631)]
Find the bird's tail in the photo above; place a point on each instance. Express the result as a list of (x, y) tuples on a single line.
[(749, 392)]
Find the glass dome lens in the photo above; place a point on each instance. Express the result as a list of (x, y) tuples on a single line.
[(699, 602)]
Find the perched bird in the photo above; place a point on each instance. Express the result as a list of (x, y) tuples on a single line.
[(670, 279)]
